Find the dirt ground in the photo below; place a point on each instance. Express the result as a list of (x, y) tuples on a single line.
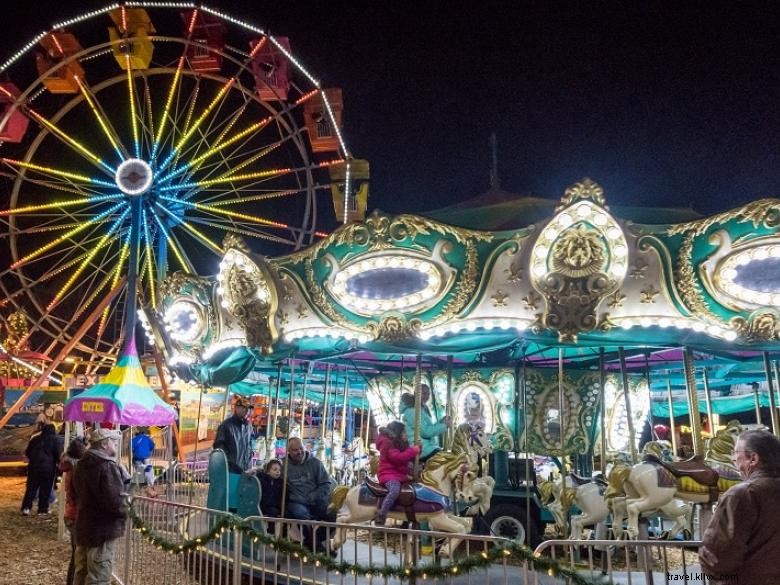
[(30, 553)]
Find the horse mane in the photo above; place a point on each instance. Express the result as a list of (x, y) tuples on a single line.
[(460, 439), (444, 460), (722, 444)]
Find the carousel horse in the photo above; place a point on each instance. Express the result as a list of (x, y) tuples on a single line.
[(476, 446), (355, 462), (718, 455), (444, 474)]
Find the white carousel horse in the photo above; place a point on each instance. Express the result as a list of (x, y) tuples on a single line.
[(355, 462), (444, 474), (476, 446)]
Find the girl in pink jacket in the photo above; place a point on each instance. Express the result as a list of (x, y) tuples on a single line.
[(395, 457)]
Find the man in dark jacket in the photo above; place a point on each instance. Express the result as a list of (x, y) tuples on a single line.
[(742, 541), (234, 437), (99, 484), (43, 454), (308, 490)]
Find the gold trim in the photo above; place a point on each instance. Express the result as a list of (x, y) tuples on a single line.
[(766, 211), (586, 189)]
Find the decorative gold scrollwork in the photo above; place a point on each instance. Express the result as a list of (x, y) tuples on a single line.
[(761, 325), (579, 252), (572, 302), (585, 189), (395, 328)]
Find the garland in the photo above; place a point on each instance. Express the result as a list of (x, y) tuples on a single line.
[(294, 549)]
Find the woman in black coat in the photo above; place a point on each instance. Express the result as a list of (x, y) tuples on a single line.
[(43, 455)]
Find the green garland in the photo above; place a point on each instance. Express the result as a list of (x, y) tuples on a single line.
[(289, 547)]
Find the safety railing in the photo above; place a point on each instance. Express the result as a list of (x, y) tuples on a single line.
[(635, 562)]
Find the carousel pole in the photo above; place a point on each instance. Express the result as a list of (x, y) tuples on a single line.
[(627, 400), (448, 406), (561, 403), (273, 419), (366, 421), (649, 397), (757, 402), (323, 415), (672, 426), (693, 402), (289, 429), (526, 458), (417, 406), (603, 412), (772, 401), (516, 413), (303, 399), (332, 408), (344, 407), (708, 401)]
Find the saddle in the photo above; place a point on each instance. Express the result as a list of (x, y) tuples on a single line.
[(405, 500), (694, 468)]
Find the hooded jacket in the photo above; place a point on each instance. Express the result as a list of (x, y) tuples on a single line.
[(429, 430), (101, 509), (234, 437), (271, 497), (308, 482), (43, 451), (742, 538), (393, 462)]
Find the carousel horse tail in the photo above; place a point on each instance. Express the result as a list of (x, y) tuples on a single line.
[(337, 498)]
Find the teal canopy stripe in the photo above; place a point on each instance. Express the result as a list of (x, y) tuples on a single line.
[(720, 405), (248, 388)]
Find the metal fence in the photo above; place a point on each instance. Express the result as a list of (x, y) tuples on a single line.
[(233, 558), (635, 562)]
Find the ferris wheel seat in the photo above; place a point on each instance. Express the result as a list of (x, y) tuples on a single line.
[(59, 47), (208, 40), (16, 125), (322, 135), (130, 39), (271, 69)]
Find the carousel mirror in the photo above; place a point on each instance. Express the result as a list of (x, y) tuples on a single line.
[(474, 406)]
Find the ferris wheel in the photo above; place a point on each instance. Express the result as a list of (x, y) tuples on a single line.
[(185, 120)]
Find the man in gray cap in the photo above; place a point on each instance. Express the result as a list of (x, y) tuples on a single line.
[(99, 484)]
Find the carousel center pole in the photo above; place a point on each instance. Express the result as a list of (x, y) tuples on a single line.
[(693, 402)]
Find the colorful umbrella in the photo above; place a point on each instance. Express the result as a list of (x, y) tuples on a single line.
[(123, 397)]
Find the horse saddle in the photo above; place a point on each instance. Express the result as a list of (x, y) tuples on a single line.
[(695, 468), (405, 499)]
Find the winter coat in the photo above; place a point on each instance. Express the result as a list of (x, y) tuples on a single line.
[(743, 537), (101, 509), (394, 462), (43, 451), (67, 467), (308, 483), (234, 437), (429, 430), (143, 446), (271, 499)]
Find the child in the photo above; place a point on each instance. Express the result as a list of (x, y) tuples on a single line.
[(395, 457), (143, 446), (271, 482)]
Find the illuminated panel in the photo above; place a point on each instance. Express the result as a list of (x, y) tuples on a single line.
[(185, 321), (752, 276)]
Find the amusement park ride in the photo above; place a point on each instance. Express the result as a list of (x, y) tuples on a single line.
[(140, 154)]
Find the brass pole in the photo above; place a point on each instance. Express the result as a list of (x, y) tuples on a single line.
[(325, 396), (344, 407), (333, 425), (693, 402), (772, 401), (303, 400), (287, 438), (708, 401), (627, 400), (448, 408), (417, 406), (273, 418), (757, 397), (603, 412), (672, 426), (561, 404)]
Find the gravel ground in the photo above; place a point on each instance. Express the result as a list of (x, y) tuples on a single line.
[(30, 553)]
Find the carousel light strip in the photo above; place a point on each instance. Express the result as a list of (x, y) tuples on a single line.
[(147, 327), (471, 325), (224, 344), (67, 235), (332, 332), (377, 263), (728, 274), (173, 323), (676, 322)]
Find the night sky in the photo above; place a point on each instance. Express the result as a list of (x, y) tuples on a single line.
[(662, 103)]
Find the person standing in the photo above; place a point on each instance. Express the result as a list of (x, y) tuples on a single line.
[(234, 437), (743, 539), (101, 511), (308, 491), (43, 455), (429, 429), (67, 467)]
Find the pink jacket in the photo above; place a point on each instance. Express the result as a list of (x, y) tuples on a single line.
[(67, 467), (394, 463)]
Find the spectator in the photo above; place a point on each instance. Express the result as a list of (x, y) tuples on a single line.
[(43, 455), (743, 539), (234, 437), (308, 491), (101, 511), (67, 466), (143, 447), (429, 430)]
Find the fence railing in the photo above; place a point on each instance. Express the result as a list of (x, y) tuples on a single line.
[(636, 562)]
